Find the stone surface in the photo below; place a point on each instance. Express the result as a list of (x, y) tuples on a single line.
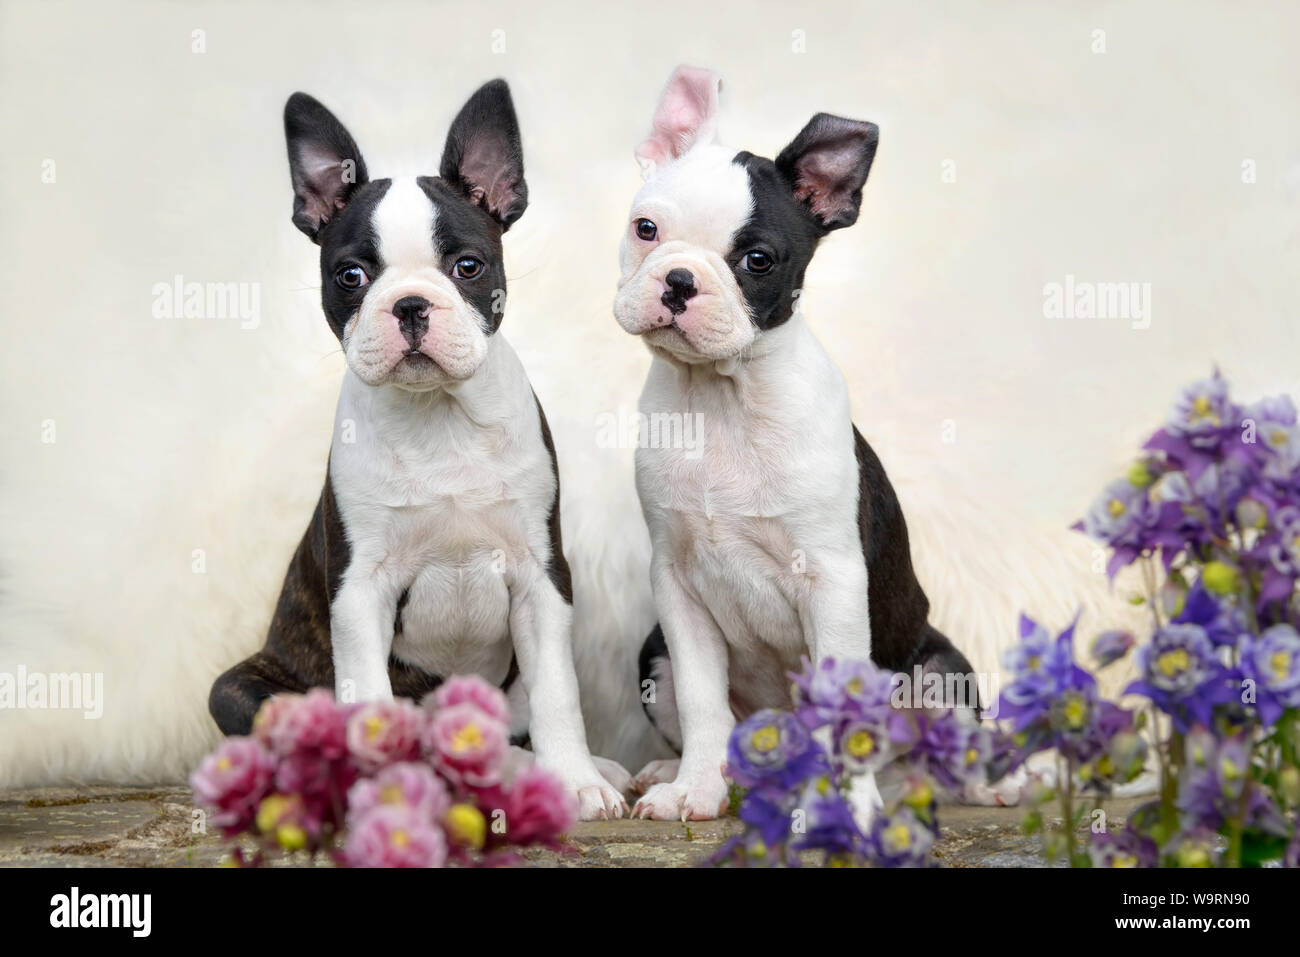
[(154, 827)]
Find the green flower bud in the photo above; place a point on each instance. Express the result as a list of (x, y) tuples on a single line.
[(1139, 475), (1220, 578)]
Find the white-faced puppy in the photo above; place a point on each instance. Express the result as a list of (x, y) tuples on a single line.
[(783, 537), (435, 547)]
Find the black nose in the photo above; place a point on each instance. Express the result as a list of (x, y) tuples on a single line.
[(681, 287), (412, 314)]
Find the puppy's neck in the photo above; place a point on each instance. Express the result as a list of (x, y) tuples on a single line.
[(771, 358), (491, 396)]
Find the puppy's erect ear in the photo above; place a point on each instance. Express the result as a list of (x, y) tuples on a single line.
[(827, 164), (687, 114), (324, 163), (484, 157)]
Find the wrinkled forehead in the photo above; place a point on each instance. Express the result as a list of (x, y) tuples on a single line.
[(407, 222), (703, 198)]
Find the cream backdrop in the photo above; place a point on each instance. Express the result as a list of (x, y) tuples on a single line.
[(147, 541)]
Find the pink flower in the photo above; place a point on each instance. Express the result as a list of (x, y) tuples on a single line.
[(467, 745), (305, 724), (382, 732), (392, 835), (538, 808), (470, 689), (409, 784), (233, 779)]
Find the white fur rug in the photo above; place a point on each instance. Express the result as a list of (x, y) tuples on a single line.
[(147, 541)]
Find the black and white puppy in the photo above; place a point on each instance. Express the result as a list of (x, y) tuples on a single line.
[(783, 537), (435, 547)]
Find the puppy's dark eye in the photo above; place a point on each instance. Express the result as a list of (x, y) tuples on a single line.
[(467, 267), (351, 277), (647, 230), (757, 262)]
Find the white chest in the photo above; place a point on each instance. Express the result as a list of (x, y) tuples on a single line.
[(441, 512)]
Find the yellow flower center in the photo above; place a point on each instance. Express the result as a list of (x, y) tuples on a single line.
[(1229, 769), (399, 838), (1280, 662), (1105, 766), (860, 744), (1280, 437), (920, 796), (1173, 662), (765, 738), (374, 725), (1076, 712), (854, 686), (1202, 406), (1115, 507), (391, 794), (467, 736), (898, 837), (972, 755), (1124, 860), (223, 763), (1033, 662)]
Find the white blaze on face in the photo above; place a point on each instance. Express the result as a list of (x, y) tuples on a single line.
[(698, 203), (405, 221)]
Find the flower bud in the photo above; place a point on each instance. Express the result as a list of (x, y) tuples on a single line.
[(1288, 784), (1219, 578), (1139, 475), (465, 825)]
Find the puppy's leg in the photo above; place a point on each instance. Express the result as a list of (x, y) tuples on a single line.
[(699, 654), (361, 635), (239, 692), (837, 624), (659, 699), (541, 627)]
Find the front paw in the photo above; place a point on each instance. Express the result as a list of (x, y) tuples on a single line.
[(598, 800), (684, 801)]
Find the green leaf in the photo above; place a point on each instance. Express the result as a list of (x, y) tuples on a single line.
[(1258, 847)]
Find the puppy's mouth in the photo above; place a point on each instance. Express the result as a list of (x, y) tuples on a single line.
[(415, 360)]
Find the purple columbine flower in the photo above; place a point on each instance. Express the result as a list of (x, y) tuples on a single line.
[(1195, 847), (1126, 848), (846, 689), (951, 751), (1213, 778), (1204, 426), (768, 812), (1181, 675), (1042, 669), (1111, 646), (900, 839), (1276, 430), (1224, 624), (1272, 661), (773, 749), (1279, 552), (828, 823)]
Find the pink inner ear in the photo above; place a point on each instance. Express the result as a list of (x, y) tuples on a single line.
[(687, 113), (485, 170), (824, 173)]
